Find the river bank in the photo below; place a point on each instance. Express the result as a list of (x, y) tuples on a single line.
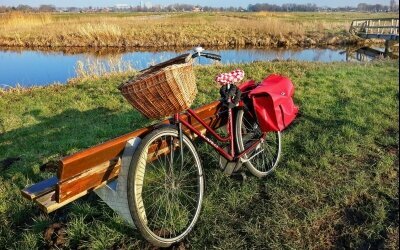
[(133, 30)]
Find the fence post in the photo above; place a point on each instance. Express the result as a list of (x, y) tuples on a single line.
[(387, 49)]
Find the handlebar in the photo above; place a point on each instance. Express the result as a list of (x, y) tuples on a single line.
[(199, 52), (211, 56), (182, 59)]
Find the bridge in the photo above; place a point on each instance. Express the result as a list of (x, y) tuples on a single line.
[(379, 28), (384, 28)]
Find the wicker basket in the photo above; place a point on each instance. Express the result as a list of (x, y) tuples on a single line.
[(163, 89)]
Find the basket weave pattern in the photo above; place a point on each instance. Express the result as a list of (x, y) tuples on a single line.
[(159, 92)]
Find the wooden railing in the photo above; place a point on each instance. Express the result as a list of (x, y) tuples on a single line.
[(384, 28)]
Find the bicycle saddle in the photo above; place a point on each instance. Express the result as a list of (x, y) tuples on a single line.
[(231, 77)]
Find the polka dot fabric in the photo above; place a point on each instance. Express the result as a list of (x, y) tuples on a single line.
[(231, 77)]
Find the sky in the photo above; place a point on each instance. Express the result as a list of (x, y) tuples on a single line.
[(213, 3)]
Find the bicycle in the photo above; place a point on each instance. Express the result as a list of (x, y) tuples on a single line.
[(166, 180)]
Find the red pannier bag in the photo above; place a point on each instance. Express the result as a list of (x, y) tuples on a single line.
[(273, 103)]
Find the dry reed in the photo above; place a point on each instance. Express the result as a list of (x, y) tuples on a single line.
[(95, 68), (155, 30), (18, 20)]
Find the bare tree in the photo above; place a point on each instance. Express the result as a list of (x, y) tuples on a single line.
[(394, 6), (47, 8), (3, 9), (23, 7)]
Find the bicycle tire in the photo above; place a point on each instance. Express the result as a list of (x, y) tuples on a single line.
[(247, 131), (178, 203)]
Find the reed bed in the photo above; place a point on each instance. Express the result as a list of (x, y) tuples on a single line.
[(177, 29), (95, 68), (20, 20)]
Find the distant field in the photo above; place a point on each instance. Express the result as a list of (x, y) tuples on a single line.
[(178, 29), (336, 186)]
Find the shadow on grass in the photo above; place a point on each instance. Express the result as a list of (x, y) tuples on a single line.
[(25, 149), (56, 136), (317, 129)]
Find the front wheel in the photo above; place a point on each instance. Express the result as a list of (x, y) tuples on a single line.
[(262, 160), (165, 187)]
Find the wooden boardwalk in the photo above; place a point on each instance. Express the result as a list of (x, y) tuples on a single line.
[(384, 28)]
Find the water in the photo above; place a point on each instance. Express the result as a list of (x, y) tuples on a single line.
[(33, 68)]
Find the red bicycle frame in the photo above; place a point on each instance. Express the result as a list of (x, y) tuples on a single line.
[(230, 138)]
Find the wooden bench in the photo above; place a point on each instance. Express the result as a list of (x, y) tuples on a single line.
[(92, 168)]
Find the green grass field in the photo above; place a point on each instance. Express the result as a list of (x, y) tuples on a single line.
[(335, 187)]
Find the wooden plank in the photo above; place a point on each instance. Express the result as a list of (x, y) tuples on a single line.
[(81, 161), (48, 202), (88, 180), (40, 188)]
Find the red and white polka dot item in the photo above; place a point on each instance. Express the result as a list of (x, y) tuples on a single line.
[(231, 77)]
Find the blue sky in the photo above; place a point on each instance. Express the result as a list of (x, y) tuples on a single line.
[(214, 3)]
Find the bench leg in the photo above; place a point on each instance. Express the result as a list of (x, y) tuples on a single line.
[(114, 194)]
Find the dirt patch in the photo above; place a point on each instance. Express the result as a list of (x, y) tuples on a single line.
[(358, 216), (55, 236), (392, 241), (178, 246), (51, 166), (148, 246), (393, 151), (6, 163), (359, 212)]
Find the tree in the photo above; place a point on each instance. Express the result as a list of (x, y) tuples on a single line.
[(73, 9), (3, 9), (47, 8), (362, 7), (23, 7), (394, 6)]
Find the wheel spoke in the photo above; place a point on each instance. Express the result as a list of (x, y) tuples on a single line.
[(248, 132), (170, 185)]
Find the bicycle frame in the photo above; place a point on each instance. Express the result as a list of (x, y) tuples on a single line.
[(233, 156)]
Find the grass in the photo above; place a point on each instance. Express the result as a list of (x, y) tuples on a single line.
[(335, 187), (177, 29)]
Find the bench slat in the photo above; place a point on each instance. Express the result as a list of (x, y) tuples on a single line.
[(48, 202), (40, 188), (88, 180)]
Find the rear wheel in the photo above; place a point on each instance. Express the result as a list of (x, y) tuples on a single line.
[(165, 187), (262, 160)]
